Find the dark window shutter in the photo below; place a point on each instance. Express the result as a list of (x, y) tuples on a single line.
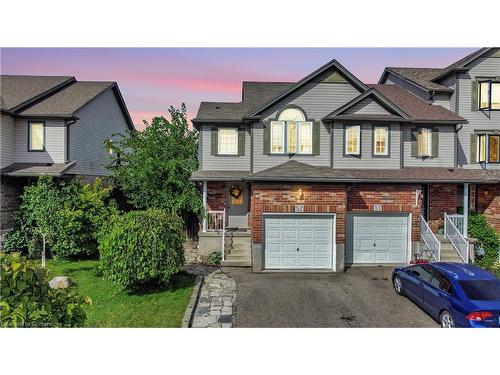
[(214, 142), (414, 143), (267, 138), (474, 96), (473, 148), (316, 130), (241, 142), (435, 143)]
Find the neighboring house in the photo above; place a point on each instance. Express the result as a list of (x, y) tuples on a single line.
[(54, 126), (329, 171)]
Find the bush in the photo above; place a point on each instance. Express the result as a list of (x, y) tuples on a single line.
[(142, 249), (28, 301), (69, 214), (487, 238), (214, 258)]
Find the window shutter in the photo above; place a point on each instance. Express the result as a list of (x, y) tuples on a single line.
[(241, 142), (214, 142), (414, 143), (474, 97), (473, 148), (267, 138), (435, 143), (316, 137)]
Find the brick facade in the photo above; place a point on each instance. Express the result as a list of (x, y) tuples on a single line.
[(488, 203), (216, 195), (443, 198), (11, 190)]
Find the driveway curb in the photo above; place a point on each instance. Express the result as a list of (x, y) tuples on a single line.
[(187, 320)]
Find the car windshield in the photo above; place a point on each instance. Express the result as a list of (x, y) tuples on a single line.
[(481, 290)]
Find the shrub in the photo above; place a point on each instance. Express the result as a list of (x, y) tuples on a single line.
[(486, 237), (28, 301), (214, 258), (142, 249), (69, 214)]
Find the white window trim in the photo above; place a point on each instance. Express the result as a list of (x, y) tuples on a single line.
[(358, 150), (299, 132), (283, 126), (486, 148), (219, 152), (429, 131), (386, 151)]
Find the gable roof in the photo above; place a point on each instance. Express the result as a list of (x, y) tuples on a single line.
[(331, 64), (461, 65), (53, 96)]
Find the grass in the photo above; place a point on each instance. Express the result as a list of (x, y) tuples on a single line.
[(112, 306)]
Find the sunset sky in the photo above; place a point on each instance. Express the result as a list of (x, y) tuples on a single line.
[(153, 79)]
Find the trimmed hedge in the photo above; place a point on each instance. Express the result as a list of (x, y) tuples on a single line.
[(142, 249)]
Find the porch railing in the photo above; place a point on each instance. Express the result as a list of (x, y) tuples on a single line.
[(458, 221), (216, 222), (430, 240), (456, 238)]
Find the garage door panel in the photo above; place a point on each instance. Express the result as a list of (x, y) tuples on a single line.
[(313, 236)]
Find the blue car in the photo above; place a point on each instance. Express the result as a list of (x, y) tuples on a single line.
[(454, 294)]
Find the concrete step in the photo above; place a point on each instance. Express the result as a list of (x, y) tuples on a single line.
[(230, 263), (245, 252)]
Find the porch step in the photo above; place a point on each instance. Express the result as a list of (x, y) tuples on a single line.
[(237, 261)]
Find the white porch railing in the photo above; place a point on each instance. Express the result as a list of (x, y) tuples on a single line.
[(458, 221), (430, 240), (216, 222), (456, 238)]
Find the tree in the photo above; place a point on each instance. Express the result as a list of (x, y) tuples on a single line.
[(153, 167)]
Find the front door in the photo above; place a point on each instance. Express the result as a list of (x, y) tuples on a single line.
[(237, 205)]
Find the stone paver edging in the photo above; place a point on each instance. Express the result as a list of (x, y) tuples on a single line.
[(189, 313), (213, 304)]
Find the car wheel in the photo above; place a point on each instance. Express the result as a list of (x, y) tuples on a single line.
[(446, 320), (398, 285)]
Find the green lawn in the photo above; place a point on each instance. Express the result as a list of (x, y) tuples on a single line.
[(114, 307)]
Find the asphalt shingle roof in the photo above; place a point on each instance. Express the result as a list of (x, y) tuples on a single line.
[(421, 76), (221, 175), (37, 169)]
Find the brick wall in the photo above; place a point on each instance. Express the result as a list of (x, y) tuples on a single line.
[(488, 202), (283, 197), (390, 198), (442, 198), (10, 191), (216, 195)]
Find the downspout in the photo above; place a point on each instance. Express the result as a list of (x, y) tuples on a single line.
[(457, 129), (68, 123)]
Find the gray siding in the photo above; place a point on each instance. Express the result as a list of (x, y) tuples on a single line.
[(55, 141), (317, 100), (478, 120), (442, 100), (7, 140), (211, 162), (366, 160), (98, 120), (368, 106), (446, 156), (393, 79)]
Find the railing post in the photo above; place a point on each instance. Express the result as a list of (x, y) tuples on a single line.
[(466, 210), (205, 211), (223, 234)]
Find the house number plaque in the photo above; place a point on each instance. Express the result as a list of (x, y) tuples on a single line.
[(299, 208)]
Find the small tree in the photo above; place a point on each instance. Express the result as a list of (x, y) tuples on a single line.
[(153, 167)]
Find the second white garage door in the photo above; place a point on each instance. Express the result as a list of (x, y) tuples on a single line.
[(298, 241), (377, 238)]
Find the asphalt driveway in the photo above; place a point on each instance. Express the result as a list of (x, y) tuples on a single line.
[(360, 297)]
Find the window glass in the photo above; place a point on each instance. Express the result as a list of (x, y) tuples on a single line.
[(495, 95), (228, 141), (494, 149), (422, 273), (305, 138), (381, 140), (481, 290), (484, 95), (291, 136), (36, 136), (424, 142), (292, 114), (441, 282), (277, 137), (352, 140), (481, 147)]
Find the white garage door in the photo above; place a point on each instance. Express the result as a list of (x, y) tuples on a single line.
[(298, 242), (377, 238)]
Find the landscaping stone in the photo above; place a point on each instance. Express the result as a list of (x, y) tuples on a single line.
[(60, 282)]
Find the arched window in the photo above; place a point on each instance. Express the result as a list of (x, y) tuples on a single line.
[(291, 134)]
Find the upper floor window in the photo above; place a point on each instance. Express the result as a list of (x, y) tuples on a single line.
[(353, 140), (109, 146), (488, 148), (381, 141), (424, 142), (227, 141), (36, 136), (291, 134), (489, 95)]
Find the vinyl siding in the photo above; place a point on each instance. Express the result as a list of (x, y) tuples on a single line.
[(211, 162), (317, 100), (368, 106), (55, 141), (98, 120), (7, 140), (393, 79), (442, 100), (478, 120), (446, 156), (366, 160)]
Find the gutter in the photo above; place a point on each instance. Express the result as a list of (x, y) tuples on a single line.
[(359, 180)]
